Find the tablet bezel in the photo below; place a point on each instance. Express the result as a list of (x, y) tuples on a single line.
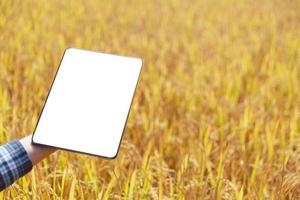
[(45, 101)]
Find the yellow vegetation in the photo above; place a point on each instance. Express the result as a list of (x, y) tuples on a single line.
[(217, 110)]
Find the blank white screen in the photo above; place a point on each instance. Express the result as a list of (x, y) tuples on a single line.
[(89, 101)]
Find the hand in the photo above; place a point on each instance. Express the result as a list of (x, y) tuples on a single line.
[(36, 152)]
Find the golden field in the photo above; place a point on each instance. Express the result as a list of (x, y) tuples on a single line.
[(217, 109)]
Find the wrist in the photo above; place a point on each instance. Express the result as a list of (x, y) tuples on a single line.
[(35, 152)]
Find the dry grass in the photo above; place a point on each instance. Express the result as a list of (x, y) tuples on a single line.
[(216, 114)]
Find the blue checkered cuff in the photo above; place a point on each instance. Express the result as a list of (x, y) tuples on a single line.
[(14, 163)]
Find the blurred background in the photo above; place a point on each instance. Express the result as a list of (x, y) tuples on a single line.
[(217, 110)]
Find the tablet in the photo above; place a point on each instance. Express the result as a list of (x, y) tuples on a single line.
[(88, 104)]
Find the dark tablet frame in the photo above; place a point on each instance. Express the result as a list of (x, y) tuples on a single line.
[(90, 154)]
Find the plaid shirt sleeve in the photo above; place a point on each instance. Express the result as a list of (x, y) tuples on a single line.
[(14, 163)]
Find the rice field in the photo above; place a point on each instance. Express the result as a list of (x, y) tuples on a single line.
[(217, 109)]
